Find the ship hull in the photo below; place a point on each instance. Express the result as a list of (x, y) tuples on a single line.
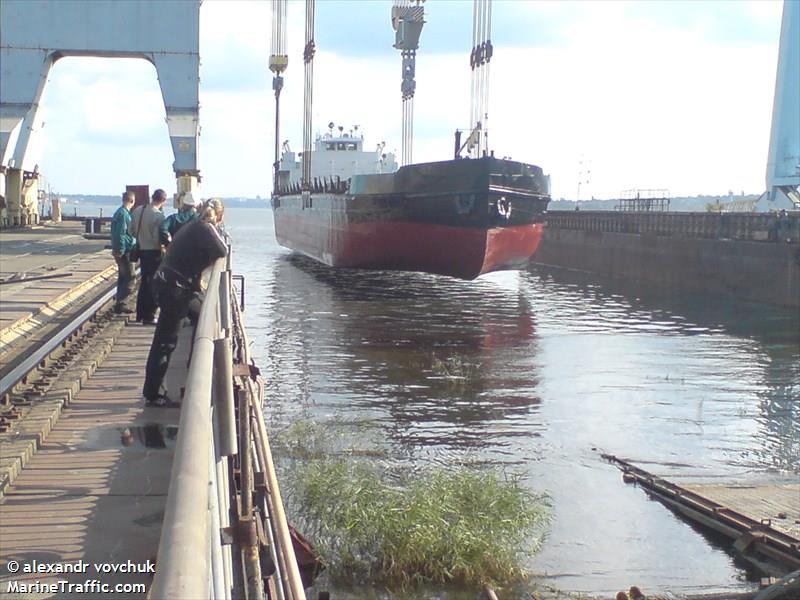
[(442, 218)]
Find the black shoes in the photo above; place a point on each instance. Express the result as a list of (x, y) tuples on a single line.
[(121, 309), (160, 401)]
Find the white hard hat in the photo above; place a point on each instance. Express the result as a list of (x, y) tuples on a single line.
[(188, 199)]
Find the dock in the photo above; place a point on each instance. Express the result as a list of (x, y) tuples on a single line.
[(762, 519), (100, 494), (751, 256)]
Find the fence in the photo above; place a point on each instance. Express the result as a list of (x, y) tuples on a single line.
[(766, 227)]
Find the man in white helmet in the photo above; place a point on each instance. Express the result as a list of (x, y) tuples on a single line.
[(186, 213)]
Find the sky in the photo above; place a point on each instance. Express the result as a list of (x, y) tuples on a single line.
[(672, 95)]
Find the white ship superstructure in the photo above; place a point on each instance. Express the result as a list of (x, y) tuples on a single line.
[(341, 156)]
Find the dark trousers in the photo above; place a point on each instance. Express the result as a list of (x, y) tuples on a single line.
[(145, 300), (174, 303), (124, 278)]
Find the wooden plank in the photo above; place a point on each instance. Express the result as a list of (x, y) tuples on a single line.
[(759, 502), (735, 510)]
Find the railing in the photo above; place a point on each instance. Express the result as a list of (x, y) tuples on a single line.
[(758, 227), (223, 536)]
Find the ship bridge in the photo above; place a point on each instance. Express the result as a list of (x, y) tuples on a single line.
[(336, 156)]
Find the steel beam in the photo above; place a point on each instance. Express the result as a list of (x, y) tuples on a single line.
[(783, 163), (164, 32)]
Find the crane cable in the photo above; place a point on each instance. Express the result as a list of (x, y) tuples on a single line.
[(407, 21), (278, 61), (479, 59), (308, 59)]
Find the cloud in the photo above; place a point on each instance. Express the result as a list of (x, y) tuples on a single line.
[(673, 95)]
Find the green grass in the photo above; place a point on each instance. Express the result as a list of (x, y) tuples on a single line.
[(440, 525), (455, 370)]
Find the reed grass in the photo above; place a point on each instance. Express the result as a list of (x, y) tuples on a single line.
[(439, 525), (455, 370)]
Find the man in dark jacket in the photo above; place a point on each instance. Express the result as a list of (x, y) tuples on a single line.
[(121, 245), (195, 247)]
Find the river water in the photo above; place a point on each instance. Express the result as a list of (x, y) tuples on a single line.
[(561, 367)]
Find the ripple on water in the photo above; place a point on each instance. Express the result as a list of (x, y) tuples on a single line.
[(538, 372)]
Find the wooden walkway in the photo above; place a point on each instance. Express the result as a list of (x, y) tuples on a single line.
[(96, 490), (763, 519), (777, 504)]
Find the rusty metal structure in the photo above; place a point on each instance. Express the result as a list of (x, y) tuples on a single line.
[(757, 540), (644, 201), (706, 225)]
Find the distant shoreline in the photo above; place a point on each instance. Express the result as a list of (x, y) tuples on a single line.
[(103, 201), (678, 204)]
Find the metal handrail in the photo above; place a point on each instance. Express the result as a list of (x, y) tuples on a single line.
[(183, 565)]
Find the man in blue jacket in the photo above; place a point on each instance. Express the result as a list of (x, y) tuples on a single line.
[(121, 245)]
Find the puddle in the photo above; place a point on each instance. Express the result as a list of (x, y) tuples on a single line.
[(149, 436)]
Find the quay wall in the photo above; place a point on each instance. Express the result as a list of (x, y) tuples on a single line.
[(751, 257)]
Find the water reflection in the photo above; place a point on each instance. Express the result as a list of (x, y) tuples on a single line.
[(436, 360), (556, 367), (152, 435), (737, 364)]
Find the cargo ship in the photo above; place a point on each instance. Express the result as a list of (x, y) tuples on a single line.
[(461, 217)]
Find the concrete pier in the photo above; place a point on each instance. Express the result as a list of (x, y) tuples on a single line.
[(96, 489), (92, 482)]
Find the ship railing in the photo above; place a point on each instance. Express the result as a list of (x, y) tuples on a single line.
[(754, 227), (318, 185), (224, 533)]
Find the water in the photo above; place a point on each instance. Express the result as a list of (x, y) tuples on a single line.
[(559, 369)]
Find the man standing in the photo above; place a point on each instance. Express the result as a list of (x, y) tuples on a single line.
[(186, 214), (145, 227), (196, 246), (121, 245)]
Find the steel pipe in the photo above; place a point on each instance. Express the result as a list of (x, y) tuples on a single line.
[(183, 550), (215, 543), (294, 583), (225, 302), (223, 491), (250, 549), (223, 396)]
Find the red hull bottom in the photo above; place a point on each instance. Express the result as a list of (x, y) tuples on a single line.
[(462, 252)]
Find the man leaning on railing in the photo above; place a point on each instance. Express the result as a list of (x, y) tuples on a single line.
[(195, 247)]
